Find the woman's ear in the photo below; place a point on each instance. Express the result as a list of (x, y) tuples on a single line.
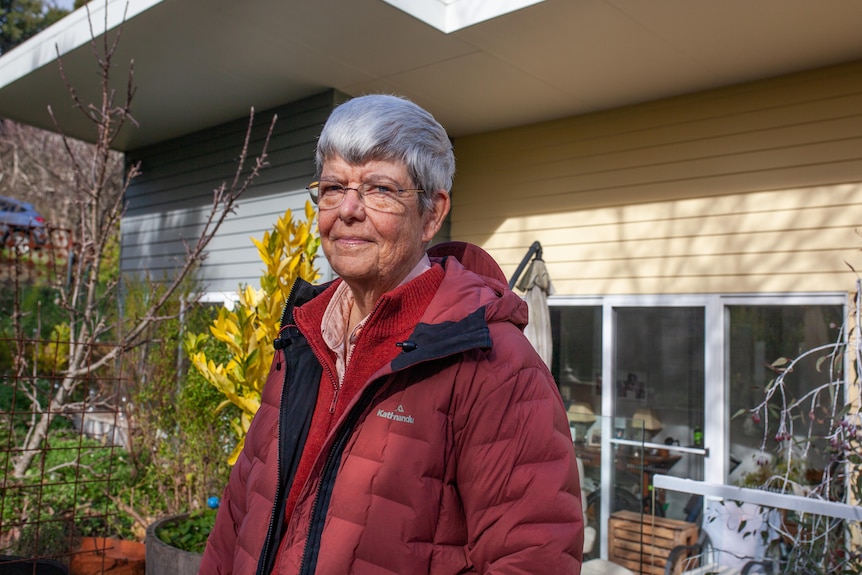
[(440, 204)]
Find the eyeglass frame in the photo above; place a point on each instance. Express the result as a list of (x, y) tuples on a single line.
[(315, 195)]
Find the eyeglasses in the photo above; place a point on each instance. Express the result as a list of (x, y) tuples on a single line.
[(379, 196)]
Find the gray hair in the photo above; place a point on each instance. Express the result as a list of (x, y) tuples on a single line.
[(384, 127)]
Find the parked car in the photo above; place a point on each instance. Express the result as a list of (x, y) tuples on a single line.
[(21, 226)]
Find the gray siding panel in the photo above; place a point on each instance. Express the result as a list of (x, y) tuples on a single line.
[(168, 203)]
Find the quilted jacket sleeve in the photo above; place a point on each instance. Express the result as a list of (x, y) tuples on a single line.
[(517, 470), (219, 553)]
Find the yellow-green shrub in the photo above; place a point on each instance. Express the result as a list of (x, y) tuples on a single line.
[(248, 330)]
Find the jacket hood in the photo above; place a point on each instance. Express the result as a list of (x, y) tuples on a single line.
[(473, 296), (471, 257), (474, 281)]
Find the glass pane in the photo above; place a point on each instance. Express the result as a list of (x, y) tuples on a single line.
[(618, 480), (659, 385), (758, 336), (576, 366), (577, 361)]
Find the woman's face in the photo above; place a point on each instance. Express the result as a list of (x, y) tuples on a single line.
[(372, 250)]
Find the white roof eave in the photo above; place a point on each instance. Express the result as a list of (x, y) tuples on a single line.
[(451, 15), (68, 34)]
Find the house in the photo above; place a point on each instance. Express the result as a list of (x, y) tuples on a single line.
[(692, 170)]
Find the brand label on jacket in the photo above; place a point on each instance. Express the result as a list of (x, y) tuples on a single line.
[(397, 415)]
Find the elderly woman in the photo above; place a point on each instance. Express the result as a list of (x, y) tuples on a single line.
[(407, 426)]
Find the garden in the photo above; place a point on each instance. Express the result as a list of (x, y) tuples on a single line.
[(123, 398), (149, 434)]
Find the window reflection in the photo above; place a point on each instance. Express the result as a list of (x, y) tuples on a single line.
[(577, 362), (757, 337)]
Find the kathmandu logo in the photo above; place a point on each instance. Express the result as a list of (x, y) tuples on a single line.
[(397, 415)]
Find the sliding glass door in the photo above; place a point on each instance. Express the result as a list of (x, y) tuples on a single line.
[(651, 384)]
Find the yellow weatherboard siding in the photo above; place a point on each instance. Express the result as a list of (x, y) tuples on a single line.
[(753, 188)]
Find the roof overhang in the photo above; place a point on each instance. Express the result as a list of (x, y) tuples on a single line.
[(478, 65)]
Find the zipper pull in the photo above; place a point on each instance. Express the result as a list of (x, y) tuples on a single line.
[(406, 346)]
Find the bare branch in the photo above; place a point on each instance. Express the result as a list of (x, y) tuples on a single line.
[(99, 207)]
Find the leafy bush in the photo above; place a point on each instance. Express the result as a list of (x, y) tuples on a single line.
[(182, 427), (246, 332)]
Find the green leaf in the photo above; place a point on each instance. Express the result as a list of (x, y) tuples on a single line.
[(819, 364)]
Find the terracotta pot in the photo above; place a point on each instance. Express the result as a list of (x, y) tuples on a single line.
[(98, 555), (165, 559)]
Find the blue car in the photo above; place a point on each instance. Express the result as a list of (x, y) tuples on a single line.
[(21, 226)]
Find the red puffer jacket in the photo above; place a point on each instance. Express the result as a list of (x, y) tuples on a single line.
[(455, 457)]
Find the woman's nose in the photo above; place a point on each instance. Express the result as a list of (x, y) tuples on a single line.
[(352, 203)]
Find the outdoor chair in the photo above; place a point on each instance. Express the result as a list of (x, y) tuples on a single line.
[(765, 567), (698, 559), (595, 566)]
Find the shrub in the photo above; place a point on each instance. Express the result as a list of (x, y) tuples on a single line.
[(181, 439), (247, 331)]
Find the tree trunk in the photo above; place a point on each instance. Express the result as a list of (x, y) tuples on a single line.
[(39, 432)]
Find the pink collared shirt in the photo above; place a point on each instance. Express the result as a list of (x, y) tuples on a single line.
[(337, 318)]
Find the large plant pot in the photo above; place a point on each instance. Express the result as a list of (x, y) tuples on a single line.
[(10, 565), (104, 556), (164, 559)]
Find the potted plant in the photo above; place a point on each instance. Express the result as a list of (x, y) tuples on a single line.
[(107, 556), (175, 544)]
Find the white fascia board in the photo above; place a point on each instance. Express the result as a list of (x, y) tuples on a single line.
[(71, 32), (452, 15)]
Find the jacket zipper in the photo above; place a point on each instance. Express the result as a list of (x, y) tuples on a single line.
[(316, 521), (304, 563), (336, 387), (267, 551)]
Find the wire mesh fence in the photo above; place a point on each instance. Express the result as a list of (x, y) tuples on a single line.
[(34, 257), (57, 491), (63, 440)]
